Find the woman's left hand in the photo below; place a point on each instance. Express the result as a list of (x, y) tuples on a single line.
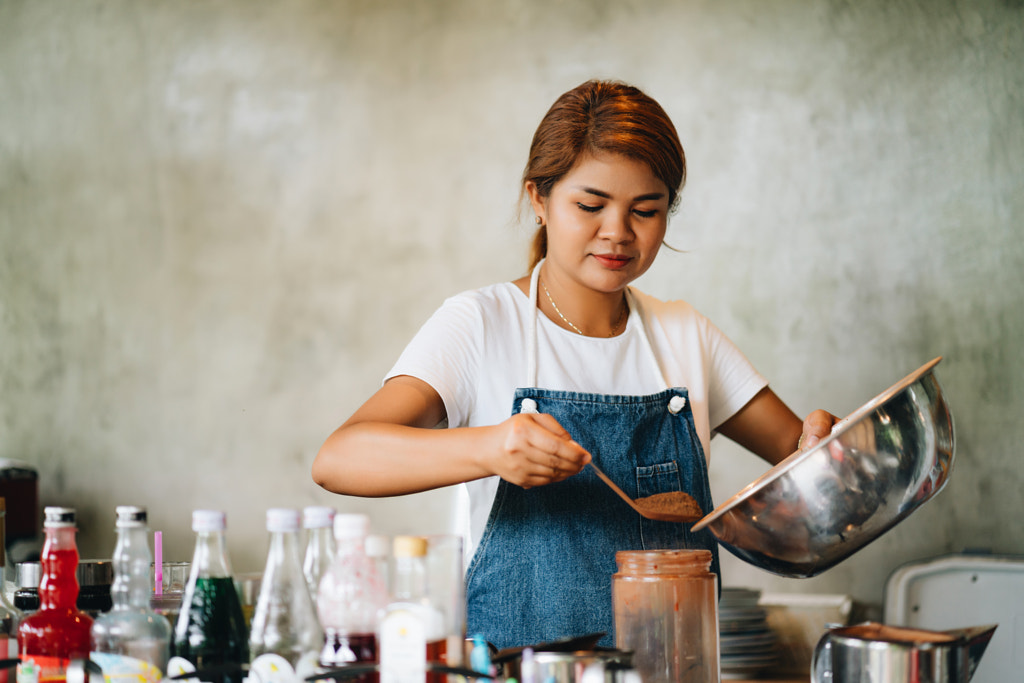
[(817, 426), (767, 427)]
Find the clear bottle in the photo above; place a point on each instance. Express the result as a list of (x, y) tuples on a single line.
[(210, 633), (131, 640), (58, 632), (350, 598), (412, 630), (666, 612), (320, 548), (10, 616), (284, 623)]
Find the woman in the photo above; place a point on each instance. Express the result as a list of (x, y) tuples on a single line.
[(539, 376)]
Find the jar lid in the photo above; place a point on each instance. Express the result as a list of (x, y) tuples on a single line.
[(688, 562), (130, 516), (95, 573), (14, 469), (317, 517), (282, 520), (28, 574), (409, 546), (349, 526), (88, 573), (209, 520)]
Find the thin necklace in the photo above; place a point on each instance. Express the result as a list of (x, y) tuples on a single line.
[(615, 328)]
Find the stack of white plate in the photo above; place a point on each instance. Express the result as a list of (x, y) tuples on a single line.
[(747, 642)]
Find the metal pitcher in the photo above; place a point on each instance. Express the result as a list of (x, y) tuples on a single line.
[(873, 653)]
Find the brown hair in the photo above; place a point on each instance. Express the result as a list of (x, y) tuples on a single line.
[(609, 117)]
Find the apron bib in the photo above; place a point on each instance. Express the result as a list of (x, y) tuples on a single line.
[(543, 568)]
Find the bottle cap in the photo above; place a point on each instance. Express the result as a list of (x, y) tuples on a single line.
[(409, 546), (317, 517), (282, 519), (377, 545), (209, 520), (130, 516), (349, 526), (56, 517)]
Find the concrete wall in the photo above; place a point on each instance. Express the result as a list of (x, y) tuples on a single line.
[(221, 221)]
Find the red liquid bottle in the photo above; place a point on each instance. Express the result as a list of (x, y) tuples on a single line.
[(50, 638)]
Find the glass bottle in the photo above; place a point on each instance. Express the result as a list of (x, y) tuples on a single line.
[(284, 623), (412, 629), (666, 611), (350, 598), (210, 633), (131, 640), (320, 549), (58, 632), (10, 616)]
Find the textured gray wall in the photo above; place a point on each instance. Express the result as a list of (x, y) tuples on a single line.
[(221, 221)]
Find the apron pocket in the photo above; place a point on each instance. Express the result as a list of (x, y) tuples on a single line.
[(661, 478)]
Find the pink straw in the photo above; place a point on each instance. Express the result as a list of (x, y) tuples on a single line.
[(158, 562)]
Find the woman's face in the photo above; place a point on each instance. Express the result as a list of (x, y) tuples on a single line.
[(606, 219)]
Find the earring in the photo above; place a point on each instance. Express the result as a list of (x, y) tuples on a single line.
[(539, 221)]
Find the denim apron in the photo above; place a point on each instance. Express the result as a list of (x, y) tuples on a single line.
[(544, 565)]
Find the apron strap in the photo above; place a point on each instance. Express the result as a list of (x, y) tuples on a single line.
[(531, 341)]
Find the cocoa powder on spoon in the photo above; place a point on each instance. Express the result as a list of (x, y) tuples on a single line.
[(675, 503)]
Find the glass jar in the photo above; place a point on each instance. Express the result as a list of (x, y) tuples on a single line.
[(666, 612), (26, 597)]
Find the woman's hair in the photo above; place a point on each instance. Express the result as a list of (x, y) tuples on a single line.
[(602, 117)]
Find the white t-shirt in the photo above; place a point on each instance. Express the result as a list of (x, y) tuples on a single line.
[(473, 352)]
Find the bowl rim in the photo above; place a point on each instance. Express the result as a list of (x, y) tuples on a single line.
[(797, 457)]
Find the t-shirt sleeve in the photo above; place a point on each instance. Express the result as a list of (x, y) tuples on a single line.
[(445, 354), (732, 379)]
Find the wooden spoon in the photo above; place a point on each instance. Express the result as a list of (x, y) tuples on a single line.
[(675, 506)]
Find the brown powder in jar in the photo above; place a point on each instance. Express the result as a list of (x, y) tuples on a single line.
[(674, 503)]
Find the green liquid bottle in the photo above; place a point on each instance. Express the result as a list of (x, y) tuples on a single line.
[(210, 635)]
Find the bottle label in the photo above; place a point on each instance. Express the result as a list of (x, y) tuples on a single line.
[(41, 669), (403, 648), (177, 666), (272, 668), (124, 669)]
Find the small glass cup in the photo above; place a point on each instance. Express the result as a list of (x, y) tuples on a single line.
[(172, 589)]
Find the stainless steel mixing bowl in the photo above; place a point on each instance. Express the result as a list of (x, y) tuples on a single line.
[(819, 506)]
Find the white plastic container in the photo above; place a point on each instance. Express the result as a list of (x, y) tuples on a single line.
[(958, 591)]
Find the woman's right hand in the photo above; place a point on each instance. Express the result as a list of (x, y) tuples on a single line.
[(533, 449), (390, 447)]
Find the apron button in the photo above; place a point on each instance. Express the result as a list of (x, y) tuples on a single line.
[(676, 403), (528, 406)]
